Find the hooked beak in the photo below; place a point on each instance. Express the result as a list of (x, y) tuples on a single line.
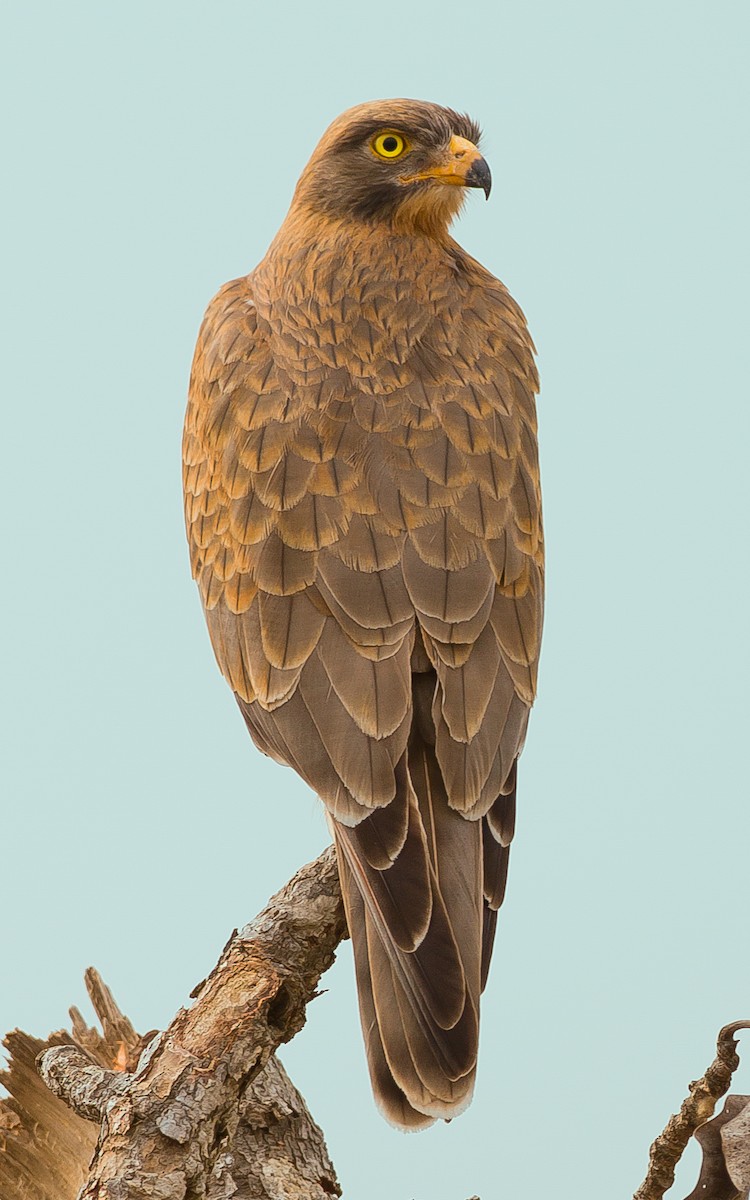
[(462, 166)]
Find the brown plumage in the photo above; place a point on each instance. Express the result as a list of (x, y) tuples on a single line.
[(363, 511)]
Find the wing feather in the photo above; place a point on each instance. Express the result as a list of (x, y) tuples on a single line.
[(364, 517), (377, 694)]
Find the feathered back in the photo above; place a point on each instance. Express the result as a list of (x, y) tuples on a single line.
[(363, 510)]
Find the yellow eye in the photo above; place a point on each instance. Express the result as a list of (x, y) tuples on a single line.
[(389, 145)]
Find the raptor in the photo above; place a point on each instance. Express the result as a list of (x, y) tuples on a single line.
[(364, 517)]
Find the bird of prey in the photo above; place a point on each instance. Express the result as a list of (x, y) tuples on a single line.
[(364, 517)]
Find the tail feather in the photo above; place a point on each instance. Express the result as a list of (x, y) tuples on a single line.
[(421, 1064), (489, 925), (497, 832), (495, 857), (429, 966), (417, 931), (390, 1098)]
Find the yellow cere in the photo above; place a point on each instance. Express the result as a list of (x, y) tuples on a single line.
[(389, 145)]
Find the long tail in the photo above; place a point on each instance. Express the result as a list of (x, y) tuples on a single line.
[(412, 877)]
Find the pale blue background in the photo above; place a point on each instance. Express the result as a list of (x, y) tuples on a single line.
[(153, 150)]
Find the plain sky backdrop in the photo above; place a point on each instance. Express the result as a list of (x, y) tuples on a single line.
[(152, 150)]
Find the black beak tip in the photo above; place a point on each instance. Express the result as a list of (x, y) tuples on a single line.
[(479, 177)]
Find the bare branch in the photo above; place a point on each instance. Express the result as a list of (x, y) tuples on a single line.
[(205, 1108), (85, 1087), (668, 1148), (171, 1125)]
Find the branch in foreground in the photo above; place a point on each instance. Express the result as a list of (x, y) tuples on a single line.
[(207, 1110), (165, 1128), (45, 1148), (668, 1148)]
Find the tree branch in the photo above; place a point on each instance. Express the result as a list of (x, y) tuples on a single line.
[(164, 1130), (668, 1148), (204, 1109), (85, 1087)]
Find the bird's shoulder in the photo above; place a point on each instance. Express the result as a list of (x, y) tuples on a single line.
[(336, 443)]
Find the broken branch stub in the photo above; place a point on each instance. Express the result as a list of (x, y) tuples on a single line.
[(163, 1126)]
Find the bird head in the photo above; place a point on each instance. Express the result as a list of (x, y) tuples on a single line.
[(404, 162)]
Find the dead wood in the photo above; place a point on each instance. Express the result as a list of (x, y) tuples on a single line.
[(202, 1109), (699, 1106), (205, 1111)]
